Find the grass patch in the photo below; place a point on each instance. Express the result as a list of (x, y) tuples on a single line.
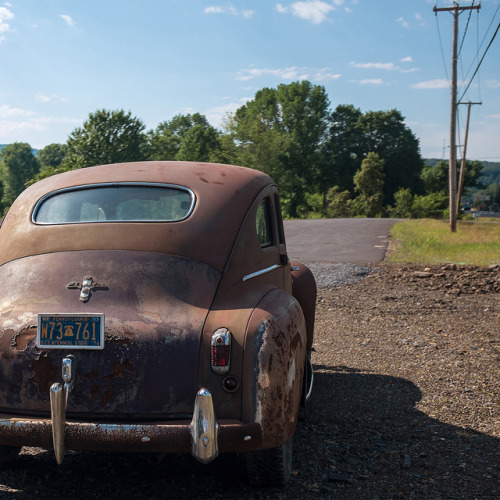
[(428, 241)]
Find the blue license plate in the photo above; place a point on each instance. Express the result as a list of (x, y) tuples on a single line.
[(70, 331)]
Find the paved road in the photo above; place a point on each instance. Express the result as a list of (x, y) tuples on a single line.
[(354, 241)]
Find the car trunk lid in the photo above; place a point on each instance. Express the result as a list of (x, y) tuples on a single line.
[(154, 307)]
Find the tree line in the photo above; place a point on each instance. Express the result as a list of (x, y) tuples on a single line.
[(327, 163)]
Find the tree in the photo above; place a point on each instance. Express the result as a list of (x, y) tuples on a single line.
[(432, 205), (282, 132), (369, 184), (385, 133), (353, 135), (435, 178), (185, 138), (403, 203), (106, 137), (344, 149), (52, 155), (338, 203), (18, 165)]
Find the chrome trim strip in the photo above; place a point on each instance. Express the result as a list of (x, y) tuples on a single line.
[(310, 388), (261, 272)]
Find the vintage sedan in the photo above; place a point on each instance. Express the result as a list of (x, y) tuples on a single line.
[(151, 307)]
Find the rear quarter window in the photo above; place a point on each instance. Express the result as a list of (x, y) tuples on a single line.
[(264, 224)]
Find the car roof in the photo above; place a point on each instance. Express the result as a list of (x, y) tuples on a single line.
[(223, 193)]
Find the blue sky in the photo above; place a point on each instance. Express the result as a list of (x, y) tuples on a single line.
[(63, 59)]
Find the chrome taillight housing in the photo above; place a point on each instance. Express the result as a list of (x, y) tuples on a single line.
[(220, 351)]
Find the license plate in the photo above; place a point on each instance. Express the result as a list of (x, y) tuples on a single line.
[(70, 331)]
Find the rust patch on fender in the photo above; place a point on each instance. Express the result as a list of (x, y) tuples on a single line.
[(45, 373), (92, 374), (105, 396), (119, 370), (7, 342), (22, 338)]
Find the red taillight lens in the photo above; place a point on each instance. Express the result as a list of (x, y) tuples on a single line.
[(220, 352), (221, 355)]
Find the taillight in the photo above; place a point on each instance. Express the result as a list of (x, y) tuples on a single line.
[(220, 352)]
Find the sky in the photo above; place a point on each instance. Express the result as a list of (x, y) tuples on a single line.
[(61, 60)]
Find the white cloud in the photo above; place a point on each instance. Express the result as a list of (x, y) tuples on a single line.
[(421, 21), (440, 83), (315, 11), (39, 97), (326, 74), (402, 22), (493, 84), (410, 70), (384, 66), (16, 124), (228, 9), (291, 73), (369, 81), (67, 19), (406, 59), (7, 111), (5, 15), (495, 117), (218, 114)]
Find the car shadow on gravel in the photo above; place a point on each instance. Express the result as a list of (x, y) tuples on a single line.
[(361, 437), (364, 438)]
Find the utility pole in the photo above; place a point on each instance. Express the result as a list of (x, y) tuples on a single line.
[(464, 156), (452, 167)]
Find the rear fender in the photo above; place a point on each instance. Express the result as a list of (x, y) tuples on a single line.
[(273, 366), (304, 290)]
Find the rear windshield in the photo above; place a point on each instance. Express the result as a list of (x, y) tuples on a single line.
[(115, 203)]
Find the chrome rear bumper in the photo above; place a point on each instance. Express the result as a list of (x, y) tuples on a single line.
[(204, 437)]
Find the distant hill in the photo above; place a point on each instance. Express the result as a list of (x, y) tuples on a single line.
[(491, 170), (35, 151)]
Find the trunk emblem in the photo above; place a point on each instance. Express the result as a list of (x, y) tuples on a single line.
[(86, 287)]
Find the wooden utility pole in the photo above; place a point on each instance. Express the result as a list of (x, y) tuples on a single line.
[(464, 156), (452, 167)]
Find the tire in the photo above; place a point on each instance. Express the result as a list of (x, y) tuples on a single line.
[(8, 453), (270, 467)]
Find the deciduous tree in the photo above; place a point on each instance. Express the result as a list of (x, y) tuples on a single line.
[(107, 137), (185, 138), (18, 165), (282, 132), (369, 184)]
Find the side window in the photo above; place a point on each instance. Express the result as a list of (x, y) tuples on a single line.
[(279, 218), (263, 224)]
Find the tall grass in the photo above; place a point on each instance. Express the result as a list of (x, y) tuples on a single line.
[(430, 241)]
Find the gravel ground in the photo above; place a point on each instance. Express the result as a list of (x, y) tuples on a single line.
[(405, 403)]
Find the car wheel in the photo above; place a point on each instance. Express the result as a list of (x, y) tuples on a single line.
[(270, 467), (8, 453)]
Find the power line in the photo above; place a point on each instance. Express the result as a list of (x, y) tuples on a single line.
[(480, 62), (480, 45), (465, 31), (442, 51)]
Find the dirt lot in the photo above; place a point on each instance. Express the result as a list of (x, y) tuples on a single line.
[(406, 405)]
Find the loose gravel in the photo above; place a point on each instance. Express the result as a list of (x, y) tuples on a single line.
[(406, 403)]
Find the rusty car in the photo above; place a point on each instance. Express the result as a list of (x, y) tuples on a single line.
[(152, 307)]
